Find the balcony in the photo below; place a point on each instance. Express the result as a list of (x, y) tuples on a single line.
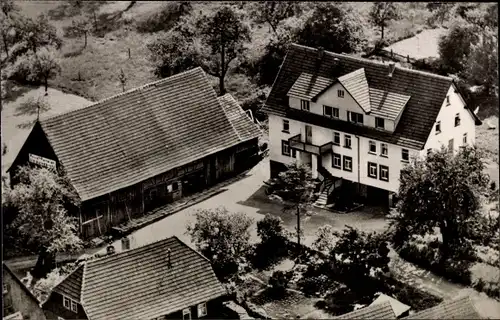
[(297, 144)]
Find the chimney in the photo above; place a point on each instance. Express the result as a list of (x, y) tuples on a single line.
[(110, 249), (125, 243), (321, 53), (169, 257), (392, 67)]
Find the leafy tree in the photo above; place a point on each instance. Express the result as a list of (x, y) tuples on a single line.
[(273, 12), (78, 28), (441, 192), (441, 11), (166, 17), (8, 6), (39, 66), (42, 199), (482, 65), (333, 28), (381, 13), (455, 46), (326, 238), (123, 79), (297, 186), (212, 40), (222, 237), (274, 242), (8, 18)]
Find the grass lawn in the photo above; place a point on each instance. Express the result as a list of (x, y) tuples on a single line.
[(17, 121), (420, 46)]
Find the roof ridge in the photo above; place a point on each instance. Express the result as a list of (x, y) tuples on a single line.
[(374, 62), (144, 86)]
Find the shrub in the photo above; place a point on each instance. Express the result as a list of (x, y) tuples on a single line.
[(279, 282), (314, 286), (165, 18), (407, 294), (342, 300)]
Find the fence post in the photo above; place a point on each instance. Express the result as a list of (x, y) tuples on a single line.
[(129, 53), (392, 54), (408, 58)]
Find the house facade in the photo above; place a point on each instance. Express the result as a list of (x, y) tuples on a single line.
[(18, 302), (162, 280), (142, 149), (359, 121)]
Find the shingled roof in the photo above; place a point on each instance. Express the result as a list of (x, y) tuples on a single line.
[(138, 284), (357, 85), (144, 132), (461, 308), (377, 311), (244, 126), (427, 91)]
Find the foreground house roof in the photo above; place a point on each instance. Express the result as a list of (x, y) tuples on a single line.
[(138, 284), (20, 283), (398, 307), (461, 308), (377, 311), (421, 94), (144, 132)]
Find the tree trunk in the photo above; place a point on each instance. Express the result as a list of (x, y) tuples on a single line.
[(85, 35), (46, 84), (45, 263), (223, 72), (447, 235), (382, 32), (298, 228), (6, 46)]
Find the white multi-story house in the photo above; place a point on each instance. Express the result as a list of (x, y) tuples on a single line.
[(361, 120)]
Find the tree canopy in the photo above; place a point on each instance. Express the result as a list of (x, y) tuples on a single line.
[(42, 199), (212, 40), (381, 13), (222, 237), (441, 192)]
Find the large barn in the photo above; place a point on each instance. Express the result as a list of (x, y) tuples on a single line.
[(144, 148)]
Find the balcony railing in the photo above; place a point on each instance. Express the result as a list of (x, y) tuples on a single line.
[(297, 144)]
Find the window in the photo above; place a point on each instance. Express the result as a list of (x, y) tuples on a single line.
[(383, 150), (330, 112), (304, 105), (384, 173), (340, 93), (67, 302), (70, 304), (347, 141), (336, 138), (379, 123), (464, 139), (457, 119), (336, 161), (285, 148), (372, 170), (286, 126), (202, 310), (373, 147), (186, 314), (175, 186), (405, 155), (355, 117), (447, 100), (438, 127), (347, 163)]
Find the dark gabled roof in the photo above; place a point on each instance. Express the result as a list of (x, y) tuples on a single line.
[(21, 284), (71, 286), (462, 308), (357, 86), (130, 137), (387, 104), (427, 90), (137, 284), (377, 311), (309, 86), (241, 122)]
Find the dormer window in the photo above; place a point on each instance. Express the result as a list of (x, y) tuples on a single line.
[(355, 117), (304, 105), (379, 123), (438, 127), (331, 112), (340, 93), (457, 119)]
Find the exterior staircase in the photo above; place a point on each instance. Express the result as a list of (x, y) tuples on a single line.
[(326, 187)]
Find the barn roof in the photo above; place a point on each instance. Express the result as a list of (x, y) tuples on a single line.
[(139, 284), (377, 311), (144, 132), (424, 93), (461, 308)]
